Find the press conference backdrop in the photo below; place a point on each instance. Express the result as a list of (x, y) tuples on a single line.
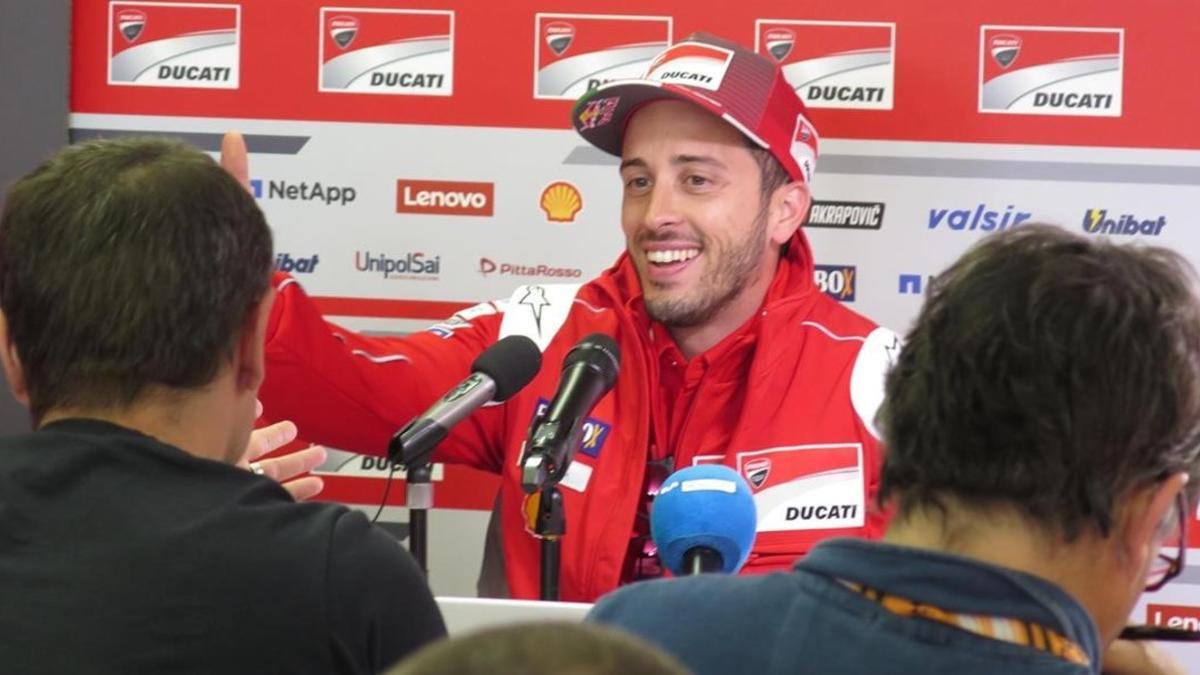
[(415, 158)]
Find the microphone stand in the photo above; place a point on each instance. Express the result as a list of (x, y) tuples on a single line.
[(418, 494), (543, 468)]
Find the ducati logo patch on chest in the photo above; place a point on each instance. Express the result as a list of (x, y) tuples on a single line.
[(806, 487)]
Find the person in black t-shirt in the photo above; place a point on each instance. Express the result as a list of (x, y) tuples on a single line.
[(133, 304)]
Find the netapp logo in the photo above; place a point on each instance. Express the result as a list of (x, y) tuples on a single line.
[(304, 191), (846, 215), (408, 267), (454, 198), (488, 266), (979, 218), (1096, 221), (284, 262), (836, 281)]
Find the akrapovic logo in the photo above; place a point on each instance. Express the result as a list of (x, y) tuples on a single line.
[(846, 215), (837, 281), (171, 44), (303, 191), (439, 197), (1102, 221)]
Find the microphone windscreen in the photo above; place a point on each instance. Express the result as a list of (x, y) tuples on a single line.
[(600, 352), (706, 505), (512, 363)]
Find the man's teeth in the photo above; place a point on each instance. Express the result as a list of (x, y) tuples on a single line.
[(676, 255)]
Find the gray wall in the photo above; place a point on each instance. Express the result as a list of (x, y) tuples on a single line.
[(34, 59)]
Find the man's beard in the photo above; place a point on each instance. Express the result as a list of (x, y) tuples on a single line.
[(724, 280)]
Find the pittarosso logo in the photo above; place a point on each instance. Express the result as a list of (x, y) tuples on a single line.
[(1102, 221), (979, 217), (488, 267), (404, 267), (303, 191), (284, 262), (441, 197), (846, 215)]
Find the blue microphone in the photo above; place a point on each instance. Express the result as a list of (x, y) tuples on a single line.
[(704, 520)]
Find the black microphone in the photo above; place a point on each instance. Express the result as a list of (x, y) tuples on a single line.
[(589, 372), (499, 372)]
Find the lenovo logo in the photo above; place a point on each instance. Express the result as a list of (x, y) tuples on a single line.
[(1173, 616), (451, 198)]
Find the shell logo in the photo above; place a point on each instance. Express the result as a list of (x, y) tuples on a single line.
[(561, 201)]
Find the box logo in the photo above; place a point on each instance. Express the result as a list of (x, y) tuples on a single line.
[(174, 45), (1039, 70), (833, 64), (446, 198), (575, 53), (837, 281), (387, 51)]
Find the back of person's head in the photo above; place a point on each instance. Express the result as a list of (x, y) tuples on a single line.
[(127, 264), (541, 649), (1048, 373)]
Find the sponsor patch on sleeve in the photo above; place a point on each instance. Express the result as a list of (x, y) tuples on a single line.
[(806, 487)]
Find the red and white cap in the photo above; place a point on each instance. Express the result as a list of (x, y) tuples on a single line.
[(736, 84)]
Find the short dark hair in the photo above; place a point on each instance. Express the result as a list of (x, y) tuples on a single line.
[(127, 263), (541, 649), (770, 170), (1048, 372)]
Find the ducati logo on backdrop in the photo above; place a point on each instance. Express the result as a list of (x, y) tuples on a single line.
[(833, 64), (575, 53), (1005, 49), (131, 22), (174, 45), (343, 29), (559, 35), (1039, 70), (387, 51), (779, 42)]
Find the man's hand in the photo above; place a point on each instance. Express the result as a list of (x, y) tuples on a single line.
[(234, 159), (285, 467), (1129, 657)]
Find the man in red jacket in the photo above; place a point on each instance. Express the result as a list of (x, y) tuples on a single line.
[(730, 353)]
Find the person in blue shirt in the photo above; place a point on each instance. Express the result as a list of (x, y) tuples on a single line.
[(1041, 424)]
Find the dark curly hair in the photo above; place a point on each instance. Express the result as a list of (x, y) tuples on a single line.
[(1050, 372)]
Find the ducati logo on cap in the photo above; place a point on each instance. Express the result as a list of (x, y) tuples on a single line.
[(342, 30), (757, 470), (559, 35), (131, 22), (1005, 49), (779, 43)]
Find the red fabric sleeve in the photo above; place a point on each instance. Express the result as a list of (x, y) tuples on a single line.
[(353, 392)]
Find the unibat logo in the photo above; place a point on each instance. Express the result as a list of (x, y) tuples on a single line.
[(1005, 49), (780, 42), (131, 22), (559, 35), (343, 29)]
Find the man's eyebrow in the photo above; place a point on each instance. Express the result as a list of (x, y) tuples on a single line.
[(676, 160)]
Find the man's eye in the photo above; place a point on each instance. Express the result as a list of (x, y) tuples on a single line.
[(637, 183), (697, 181)]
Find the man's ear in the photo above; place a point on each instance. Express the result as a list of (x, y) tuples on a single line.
[(788, 209), (1140, 527), (249, 358), (12, 364)]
